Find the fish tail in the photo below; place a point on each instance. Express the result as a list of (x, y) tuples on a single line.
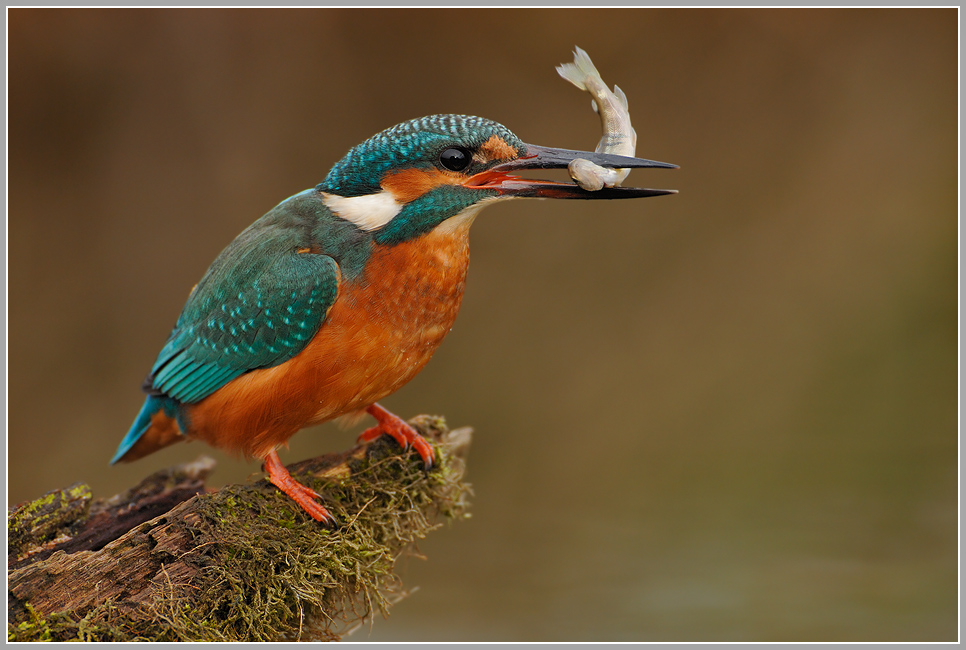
[(156, 426), (580, 71)]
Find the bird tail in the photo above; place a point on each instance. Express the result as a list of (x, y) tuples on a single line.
[(155, 427)]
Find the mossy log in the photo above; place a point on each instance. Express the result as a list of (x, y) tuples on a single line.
[(171, 561)]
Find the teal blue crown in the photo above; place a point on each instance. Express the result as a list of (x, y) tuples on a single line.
[(360, 171)]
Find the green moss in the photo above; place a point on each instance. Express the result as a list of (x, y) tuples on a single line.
[(33, 523), (266, 571)]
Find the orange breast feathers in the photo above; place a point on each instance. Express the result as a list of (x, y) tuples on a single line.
[(380, 332)]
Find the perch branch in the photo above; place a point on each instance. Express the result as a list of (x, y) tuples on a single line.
[(171, 561)]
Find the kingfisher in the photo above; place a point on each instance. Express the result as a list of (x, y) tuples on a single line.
[(340, 294)]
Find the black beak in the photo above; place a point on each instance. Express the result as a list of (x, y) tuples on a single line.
[(537, 157)]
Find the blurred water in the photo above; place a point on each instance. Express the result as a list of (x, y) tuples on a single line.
[(729, 414)]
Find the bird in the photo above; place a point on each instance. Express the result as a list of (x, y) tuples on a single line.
[(340, 294)]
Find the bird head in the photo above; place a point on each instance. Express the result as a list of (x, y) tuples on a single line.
[(403, 182)]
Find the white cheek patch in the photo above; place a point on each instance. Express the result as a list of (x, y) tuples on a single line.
[(369, 212)]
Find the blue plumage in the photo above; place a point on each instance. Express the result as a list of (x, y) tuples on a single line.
[(360, 171), (258, 305), (153, 404), (256, 314)]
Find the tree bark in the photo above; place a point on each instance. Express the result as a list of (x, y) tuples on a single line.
[(170, 560)]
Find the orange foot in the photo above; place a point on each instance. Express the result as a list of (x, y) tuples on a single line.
[(305, 497), (405, 435)]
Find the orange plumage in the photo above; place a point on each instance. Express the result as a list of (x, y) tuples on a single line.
[(379, 333)]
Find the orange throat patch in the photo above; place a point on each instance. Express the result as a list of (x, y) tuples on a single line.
[(383, 328)]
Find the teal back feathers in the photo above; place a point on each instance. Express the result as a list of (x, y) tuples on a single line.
[(258, 305)]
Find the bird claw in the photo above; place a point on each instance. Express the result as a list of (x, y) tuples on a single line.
[(308, 503), (397, 428), (300, 494)]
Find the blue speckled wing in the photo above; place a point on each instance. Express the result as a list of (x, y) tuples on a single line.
[(253, 309)]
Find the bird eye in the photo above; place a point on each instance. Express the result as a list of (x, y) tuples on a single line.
[(455, 159)]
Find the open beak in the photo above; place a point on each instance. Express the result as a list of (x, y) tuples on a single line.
[(498, 177)]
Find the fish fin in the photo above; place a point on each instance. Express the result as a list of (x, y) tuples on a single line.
[(580, 70), (582, 61), (620, 95), (571, 73)]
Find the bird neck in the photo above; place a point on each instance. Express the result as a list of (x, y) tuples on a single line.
[(433, 210)]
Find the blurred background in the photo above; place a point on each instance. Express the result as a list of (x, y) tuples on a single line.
[(729, 414)]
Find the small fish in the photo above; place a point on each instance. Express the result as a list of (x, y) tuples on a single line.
[(619, 136)]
